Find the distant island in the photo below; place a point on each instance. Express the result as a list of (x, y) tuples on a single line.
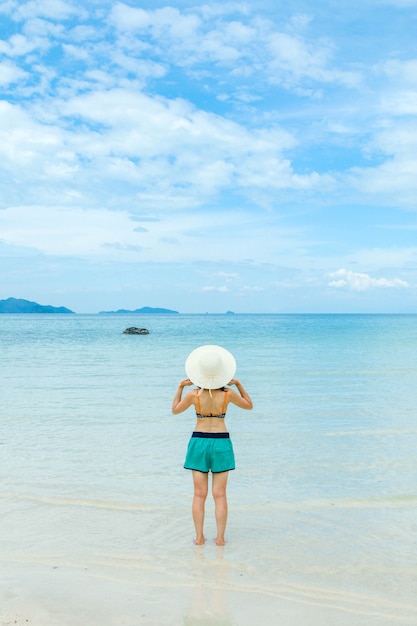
[(143, 311), (16, 305)]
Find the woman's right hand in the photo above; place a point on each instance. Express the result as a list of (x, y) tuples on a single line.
[(185, 382)]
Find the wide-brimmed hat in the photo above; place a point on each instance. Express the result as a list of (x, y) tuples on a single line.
[(210, 367)]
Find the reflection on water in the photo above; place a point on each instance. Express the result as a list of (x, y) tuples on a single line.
[(209, 602)]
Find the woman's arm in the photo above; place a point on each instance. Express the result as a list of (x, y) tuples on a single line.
[(180, 404), (241, 399)]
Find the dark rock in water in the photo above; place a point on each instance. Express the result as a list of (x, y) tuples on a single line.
[(132, 330)]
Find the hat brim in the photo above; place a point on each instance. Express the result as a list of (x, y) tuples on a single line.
[(222, 377)]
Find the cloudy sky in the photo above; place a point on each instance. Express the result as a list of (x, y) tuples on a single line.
[(256, 156)]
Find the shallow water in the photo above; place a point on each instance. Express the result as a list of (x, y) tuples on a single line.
[(323, 501)]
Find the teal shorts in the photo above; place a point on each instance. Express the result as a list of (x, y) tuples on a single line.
[(210, 451)]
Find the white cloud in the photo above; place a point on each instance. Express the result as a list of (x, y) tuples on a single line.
[(167, 151), (404, 71), (24, 142), (393, 183), (18, 45), (10, 73), (129, 18), (50, 9), (401, 103), (246, 46), (8, 6), (228, 275), (69, 231), (291, 52), (400, 3), (362, 282), (77, 52), (230, 237), (221, 9), (166, 24), (385, 257), (208, 288), (252, 289)]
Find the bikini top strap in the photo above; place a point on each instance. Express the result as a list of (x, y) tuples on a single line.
[(224, 402)]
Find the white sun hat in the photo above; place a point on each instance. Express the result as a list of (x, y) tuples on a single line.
[(210, 367)]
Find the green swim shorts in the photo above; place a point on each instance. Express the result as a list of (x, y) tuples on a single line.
[(210, 451)]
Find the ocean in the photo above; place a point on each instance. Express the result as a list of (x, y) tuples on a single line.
[(95, 504)]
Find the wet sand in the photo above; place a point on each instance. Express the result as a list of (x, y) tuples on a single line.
[(204, 587)]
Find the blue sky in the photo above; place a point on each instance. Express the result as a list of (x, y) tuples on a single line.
[(255, 156)]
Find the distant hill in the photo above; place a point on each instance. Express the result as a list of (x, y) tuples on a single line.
[(15, 305), (143, 311)]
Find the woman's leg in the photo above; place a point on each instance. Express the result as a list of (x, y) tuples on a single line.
[(220, 502), (200, 480)]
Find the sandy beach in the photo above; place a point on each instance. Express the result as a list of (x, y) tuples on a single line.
[(208, 589), (169, 581)]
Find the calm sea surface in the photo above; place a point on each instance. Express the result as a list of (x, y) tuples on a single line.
[(324, 496)]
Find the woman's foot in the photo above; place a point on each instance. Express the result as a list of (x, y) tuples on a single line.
[(220, 541), (200, 541)]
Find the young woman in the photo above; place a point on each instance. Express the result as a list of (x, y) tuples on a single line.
[(211, 368)]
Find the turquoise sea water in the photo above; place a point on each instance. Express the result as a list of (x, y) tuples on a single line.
[(324, 497)]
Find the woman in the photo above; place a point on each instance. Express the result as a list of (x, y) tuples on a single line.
[(210, 368)]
